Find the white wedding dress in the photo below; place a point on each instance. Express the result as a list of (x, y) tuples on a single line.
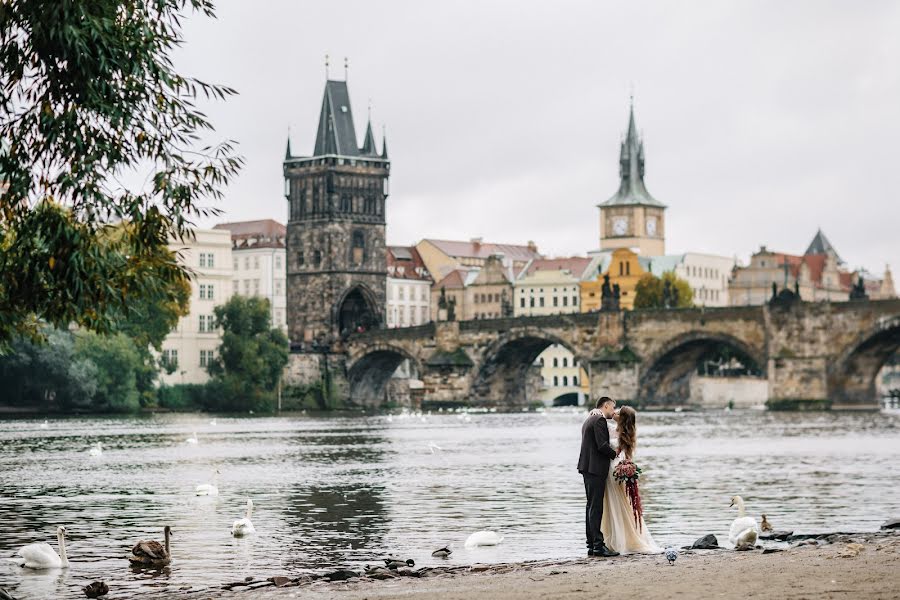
[(618, 527)]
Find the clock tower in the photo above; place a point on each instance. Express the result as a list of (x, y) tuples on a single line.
[(633, 218)]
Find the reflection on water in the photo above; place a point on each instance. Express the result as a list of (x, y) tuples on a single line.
[(346, 491)]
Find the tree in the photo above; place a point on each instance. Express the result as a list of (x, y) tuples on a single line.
[(251, 357), (89, 93), (117, 363), (650, 291)]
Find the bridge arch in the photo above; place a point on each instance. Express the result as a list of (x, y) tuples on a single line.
[(368, 373), (665, 375), (504, 374), (851, 379)]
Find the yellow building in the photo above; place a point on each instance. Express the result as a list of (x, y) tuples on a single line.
[(624, 270)]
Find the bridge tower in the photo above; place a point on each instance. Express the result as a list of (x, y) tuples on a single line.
[(336, 256)]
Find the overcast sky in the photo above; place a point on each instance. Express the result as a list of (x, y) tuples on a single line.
[(762, 120)]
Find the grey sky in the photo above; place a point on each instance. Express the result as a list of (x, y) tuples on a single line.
[(761, 120)]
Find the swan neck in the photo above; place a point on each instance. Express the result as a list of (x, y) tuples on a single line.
[(64, 559), (249, 510), (740, 507), (167, 536)]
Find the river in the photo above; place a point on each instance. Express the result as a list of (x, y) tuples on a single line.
[(335, 491)]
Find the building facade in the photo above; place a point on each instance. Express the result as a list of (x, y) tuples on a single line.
[(633, 218), (623, 268), (818, 274), (191, 346), (258, 264), (408, 288), (441, 257), (707, 274), (336, 255)]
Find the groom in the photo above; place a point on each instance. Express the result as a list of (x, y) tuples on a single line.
[(593, 464)]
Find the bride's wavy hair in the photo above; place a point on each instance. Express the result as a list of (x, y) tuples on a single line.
[(627, 430)]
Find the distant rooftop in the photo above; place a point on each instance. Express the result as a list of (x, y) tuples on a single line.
[(265, 233)]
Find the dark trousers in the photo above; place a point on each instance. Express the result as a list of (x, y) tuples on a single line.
[(594, 489)]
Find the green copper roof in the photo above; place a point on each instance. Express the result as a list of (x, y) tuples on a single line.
[(632, 190)]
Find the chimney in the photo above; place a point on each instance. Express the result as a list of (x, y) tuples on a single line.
[(532, 246), (476, 242)]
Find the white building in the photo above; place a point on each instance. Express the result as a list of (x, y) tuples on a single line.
[(259, 264), (707, 274), (191, 346), (408, 288)]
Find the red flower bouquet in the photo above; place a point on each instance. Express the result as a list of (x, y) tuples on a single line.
[(628, 473)]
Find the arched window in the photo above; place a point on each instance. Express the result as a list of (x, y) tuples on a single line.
[(555, 362), (357, 248), (575, 380), (317, 258), (555, 380), (565, 380), (565, 361)]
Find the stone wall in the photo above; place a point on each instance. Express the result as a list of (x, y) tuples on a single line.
[(720, 392)]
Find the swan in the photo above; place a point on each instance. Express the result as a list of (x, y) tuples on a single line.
[(192, 439), (242, 527), (443, 552), (43, 556), (483, 538), (743, 525), (212, 422), (152, 553), (209, 489), (97, 450), (45, 424)]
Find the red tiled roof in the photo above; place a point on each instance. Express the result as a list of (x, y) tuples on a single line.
[(265, 233), (404, 262), (814, 262), (455, 280), (476, 249), (575, 264), (846, 280)]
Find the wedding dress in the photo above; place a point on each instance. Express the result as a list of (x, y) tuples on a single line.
[(618, 527)]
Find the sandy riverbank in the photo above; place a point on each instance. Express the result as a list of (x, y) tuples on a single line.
[(830, 568)]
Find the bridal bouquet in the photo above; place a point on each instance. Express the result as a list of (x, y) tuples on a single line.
[(628, 473)]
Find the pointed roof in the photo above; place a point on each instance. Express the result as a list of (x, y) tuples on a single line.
[(368, 147), (632, 190), (821, 245), (287, 152), (384, 145), (336, 133)]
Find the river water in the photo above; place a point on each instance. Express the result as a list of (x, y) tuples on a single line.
[(346, 491)]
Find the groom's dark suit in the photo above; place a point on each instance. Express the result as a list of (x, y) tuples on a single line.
[(593, 464)]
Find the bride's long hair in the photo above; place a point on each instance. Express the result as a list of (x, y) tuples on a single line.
[(627, 430)]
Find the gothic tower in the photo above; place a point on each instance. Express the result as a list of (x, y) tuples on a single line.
[(633, 218), (336, 257)]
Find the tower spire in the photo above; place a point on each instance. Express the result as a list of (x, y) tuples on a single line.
[(384, 153), (326, 67), (632, 190), (287, 152)]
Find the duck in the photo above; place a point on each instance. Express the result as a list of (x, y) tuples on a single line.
[(443, 552), (42, 555), (483, 538), (242, 527), (671, 555), (765, 525), (152, 553), (191, 440), (208, 489), (395, 563), (97, 450), (742, 526), (96, 589)]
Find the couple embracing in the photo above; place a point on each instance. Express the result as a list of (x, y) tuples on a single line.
[(613, 523)]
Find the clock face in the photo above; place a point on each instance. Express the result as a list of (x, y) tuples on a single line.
[(620, 225), (651, 226)]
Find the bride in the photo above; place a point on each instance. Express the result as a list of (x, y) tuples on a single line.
[(618, 524)]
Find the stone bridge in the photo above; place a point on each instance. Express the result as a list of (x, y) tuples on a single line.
[(813, 355)]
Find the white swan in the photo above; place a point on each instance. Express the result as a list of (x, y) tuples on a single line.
[(45, 424), (209, 489), (483, 538), (43, 556), (744, 527), (242, 527), (192, 439), (97, 450), (212, 422)]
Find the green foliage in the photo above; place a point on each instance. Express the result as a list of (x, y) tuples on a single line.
[(117, 362), (649, 291), (250, 359), (186, 396), (89, 92)]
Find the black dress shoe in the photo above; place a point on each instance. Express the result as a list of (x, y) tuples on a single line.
[(605, 552), (590, 551)]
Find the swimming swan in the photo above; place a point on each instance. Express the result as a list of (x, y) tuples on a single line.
[(242, 527), (152, 553), (209, 489), (483, 538), (744, 527), (42, 555), (97, 450)]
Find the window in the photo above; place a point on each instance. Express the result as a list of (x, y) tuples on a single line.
[(206, 358), (278, 287), (532, 302), (206, 323), (235, 264), (555, 380), (565, 380), (206, 291), (357, 248), (170, 359), (522, 302), (317, 257), (300, 258), (277, 261), (400, 292), (542, 301), (424, 312), (565, 300), (207, 259), (574, 300), (247, 263), (256, 287), (255, 262), (565, 361), (555, 301), (628, 268), (574, 379), (555, 362)]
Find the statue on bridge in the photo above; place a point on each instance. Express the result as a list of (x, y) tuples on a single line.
[(858, 291), (609, 295)]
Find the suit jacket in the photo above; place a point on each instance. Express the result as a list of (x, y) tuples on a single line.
[(596, 453)]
